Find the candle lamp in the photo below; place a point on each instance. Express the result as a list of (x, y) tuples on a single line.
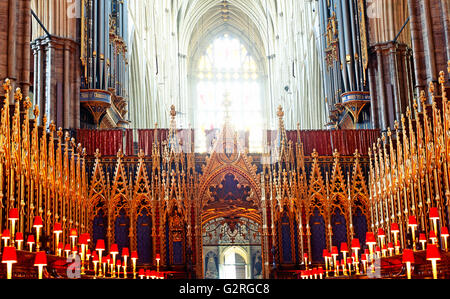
[(147, 274), (433, 237), (104, 264), (434, 217), (74, 251), (6, 236), (83, 243), (378, 251), (30, 242), (73, 236), (423, 240), (397, 246), (13, 217), (412, 223), (40, 261), (303, 274), (158, 258), (310, 274), (320, 271), (95, 262), (408, 259), (141, 273), (349, 263), (356, 247), (315, 273), (395, 230), (305, 260), (88, 256), (391, 248), (57, 230), (119, 265), (381, 236), (384, 250), (60, 248), (100, 247), (334, 254), (114, 250), (336, 271), (161, 275), (153, 274), (433, 255), (344, 250), (134, 258), (325, 254), (9, 258), (37, 224), (19, 240), (364, 261), (125, 255), (370, 242), (109, 264), (444, 236), (67, 250)]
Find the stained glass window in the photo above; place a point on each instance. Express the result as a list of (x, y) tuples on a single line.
[(226, 66)]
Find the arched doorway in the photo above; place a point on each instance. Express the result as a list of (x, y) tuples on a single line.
[(232, 249)]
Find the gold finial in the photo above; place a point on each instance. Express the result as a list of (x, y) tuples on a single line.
[(36, 111), (52, 126), (441, 77), (369, 152), (315, 154), (60, 132), (173, 112), (357, 155), (27, 104), (44, 120), (18, 95), (396, 126), (280, 113), (97, 154), (120, 154), (141, 154), (336, 154), (408, 112), (389, 133), (431, 88), (423, 97), (7, 86)]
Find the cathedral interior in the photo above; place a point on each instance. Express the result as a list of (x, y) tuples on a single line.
[(224, 139)]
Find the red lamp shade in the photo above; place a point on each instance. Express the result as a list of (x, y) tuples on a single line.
[(108, 258), (434, 214), (148, 273), (344, 247), (94, 257), (444, 232), (9, 255), (141, 272), (13, 214), (355, 244), (75, 249), (349, 260), (118, 263), (19, 237), (325, 253), (412, 221), (377, 249), (125, 251), (305, 256), (391, 245), (67, 247), (370, 238), (6, 234), (134, 255), (83, 239), (40, 259), (57, 228), (100, 244), (432, 235), (114, 249), (158, 257), (31, 239), (433, 252), (381, 232), (73, 232), (60, 245), (334, 250), (363, 258), (88, 252), (408, 256), (104, 260), (37, 222), (394, 228)]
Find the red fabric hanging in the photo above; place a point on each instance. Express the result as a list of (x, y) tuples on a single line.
[(107, 141)]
